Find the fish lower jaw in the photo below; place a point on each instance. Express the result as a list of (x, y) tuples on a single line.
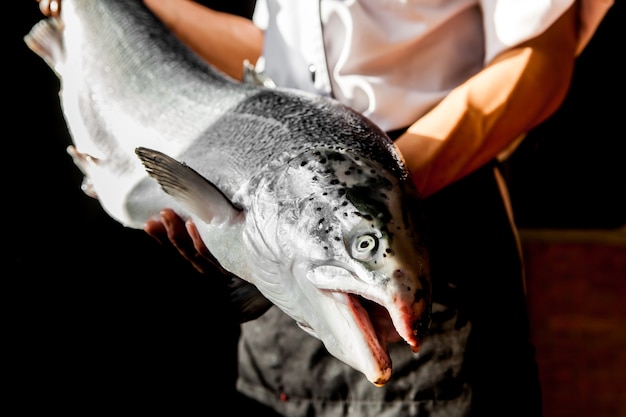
[(373, 329), (380, 372), (382, 379)]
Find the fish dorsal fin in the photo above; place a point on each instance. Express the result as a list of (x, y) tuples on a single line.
[(200, 196), (46, 40), (254, 77)]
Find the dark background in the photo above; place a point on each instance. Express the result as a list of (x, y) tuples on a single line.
[(101, 313), (570, 172)]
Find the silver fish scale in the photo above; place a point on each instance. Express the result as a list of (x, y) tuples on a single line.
[(333, 126), (232, 130), (271, 128)]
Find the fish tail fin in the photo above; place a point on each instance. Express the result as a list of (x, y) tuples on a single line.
[(46, 40)]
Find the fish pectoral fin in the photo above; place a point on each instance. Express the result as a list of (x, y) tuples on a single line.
[(199, 195), (247, 300)]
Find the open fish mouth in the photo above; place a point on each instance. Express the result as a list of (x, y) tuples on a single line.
[(379, 319), (363, 319), (379, 329), (375, 324)]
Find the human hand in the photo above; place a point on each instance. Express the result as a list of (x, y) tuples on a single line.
[(170, 230), (50, 8)]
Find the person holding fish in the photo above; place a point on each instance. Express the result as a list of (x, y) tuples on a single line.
[(456, 84)]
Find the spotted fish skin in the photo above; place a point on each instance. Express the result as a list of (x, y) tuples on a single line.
[(296, 194)]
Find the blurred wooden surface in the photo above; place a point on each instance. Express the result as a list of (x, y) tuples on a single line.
[(577, 299)]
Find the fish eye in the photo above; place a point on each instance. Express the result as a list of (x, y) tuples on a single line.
[(364, 247)]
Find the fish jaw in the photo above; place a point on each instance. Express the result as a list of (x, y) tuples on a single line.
[(371, 319), (378, 367), (344, 327)]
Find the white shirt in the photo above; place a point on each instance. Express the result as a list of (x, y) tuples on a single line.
[(393, 60)]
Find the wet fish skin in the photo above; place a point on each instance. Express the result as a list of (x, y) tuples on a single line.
[(294, 193)]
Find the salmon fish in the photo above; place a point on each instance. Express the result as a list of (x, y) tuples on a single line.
[(296, 195)]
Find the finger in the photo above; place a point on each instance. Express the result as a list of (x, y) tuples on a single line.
[(50, 7), (154, 228), (198, 243), (209, 262), (171, 231), (44, 7), (177, 233)]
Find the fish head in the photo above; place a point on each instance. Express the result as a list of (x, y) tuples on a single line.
[(343, 230)]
